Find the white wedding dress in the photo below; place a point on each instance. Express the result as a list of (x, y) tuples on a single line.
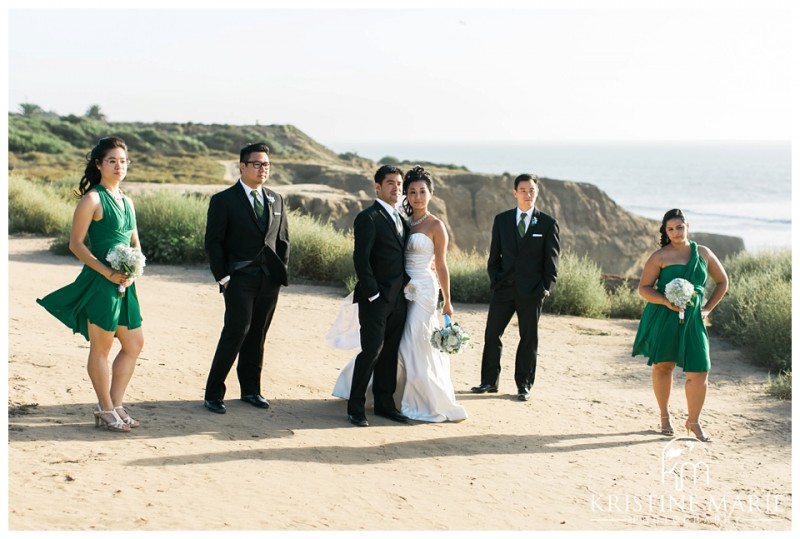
[(424, 388)]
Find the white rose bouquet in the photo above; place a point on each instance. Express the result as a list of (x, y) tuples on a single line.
[(680, 292), (127, 260), (451, 339)]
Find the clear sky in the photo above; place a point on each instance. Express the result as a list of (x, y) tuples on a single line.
[(623, 70)]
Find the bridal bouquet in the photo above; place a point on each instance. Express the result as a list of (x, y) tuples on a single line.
[(451, 339), (679, 292), (126, 260)]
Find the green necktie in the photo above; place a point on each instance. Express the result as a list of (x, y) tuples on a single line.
[(521, 228), (257, 205)]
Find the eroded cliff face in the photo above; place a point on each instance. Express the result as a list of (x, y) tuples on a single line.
[(591, 223)]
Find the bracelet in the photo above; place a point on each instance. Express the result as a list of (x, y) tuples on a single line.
[(113, 272)]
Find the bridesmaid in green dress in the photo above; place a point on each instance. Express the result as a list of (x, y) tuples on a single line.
[(661, 337), (91, 305)]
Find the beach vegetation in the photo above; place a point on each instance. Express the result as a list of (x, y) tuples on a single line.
[(37, 208), (756, 314), (579, 290), (780, 386), (625, 302)]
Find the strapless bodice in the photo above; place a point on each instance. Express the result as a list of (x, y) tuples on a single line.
[(419, 256)]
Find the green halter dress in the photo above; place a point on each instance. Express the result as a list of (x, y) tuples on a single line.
[(92, 297)]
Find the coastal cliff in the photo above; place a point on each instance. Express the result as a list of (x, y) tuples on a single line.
[(591, 223)]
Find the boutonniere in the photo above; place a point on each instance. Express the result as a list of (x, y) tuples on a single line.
[(270, 199), (534, 220)]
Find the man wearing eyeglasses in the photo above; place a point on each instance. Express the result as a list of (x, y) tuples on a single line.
[(247, 241)]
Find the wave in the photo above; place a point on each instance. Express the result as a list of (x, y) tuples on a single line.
[(648, 211)]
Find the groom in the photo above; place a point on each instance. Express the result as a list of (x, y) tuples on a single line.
[(523, 263), (378, 256)]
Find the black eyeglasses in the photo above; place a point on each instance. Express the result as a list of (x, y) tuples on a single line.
[(258, 164)]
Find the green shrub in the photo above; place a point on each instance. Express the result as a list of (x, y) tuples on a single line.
[(25, 141), (172, 227), (36, 208), (757, 315), (757, 311), (777, 263), (318, 251), (579, 290), (626, 303), (780, 386), (469, 282)]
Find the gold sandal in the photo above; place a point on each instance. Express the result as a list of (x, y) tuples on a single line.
[(701, 435), (666, 431)]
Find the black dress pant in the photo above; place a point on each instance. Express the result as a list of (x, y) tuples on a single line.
[(250, 301), (382, 325), (504, 303)]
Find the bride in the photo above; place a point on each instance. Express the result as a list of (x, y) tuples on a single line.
[(424, 387)]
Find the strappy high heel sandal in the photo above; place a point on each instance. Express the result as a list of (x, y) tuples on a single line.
[(699, 433), (117, 425), (666, 431), (127, 419)]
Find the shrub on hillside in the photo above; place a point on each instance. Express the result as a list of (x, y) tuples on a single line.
[(24, 141)]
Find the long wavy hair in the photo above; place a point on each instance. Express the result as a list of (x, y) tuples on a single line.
[(671, 214), (416, 174), (91, 175)]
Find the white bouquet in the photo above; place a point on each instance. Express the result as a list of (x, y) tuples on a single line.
[(451, 339), (680, 292), (127, 260)]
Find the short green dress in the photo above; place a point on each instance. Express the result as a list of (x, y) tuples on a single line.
[(661, 337), (92, 297)]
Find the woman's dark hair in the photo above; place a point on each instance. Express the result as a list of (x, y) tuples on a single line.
[(91, 176), (416, 174), (670, 215)]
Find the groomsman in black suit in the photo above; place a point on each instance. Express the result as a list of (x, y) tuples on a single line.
[(247, 241), (523, 263), (379, 259)]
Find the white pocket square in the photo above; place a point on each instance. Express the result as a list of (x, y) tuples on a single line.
[(278, 213), (536, 235)]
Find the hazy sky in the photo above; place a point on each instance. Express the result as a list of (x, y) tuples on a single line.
[(617, 72)]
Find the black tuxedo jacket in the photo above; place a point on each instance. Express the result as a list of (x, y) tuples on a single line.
[(530, 262), (234, 240), (378, 254)]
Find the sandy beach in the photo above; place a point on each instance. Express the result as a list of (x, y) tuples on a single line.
[(582, 454)]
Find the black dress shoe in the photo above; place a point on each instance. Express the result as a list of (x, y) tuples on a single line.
[(217, 406), (256, 400), (523, 395), (485, 388), (394, 415), (358, 420)]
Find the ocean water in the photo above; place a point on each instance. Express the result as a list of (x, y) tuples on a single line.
[(733, 188)]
